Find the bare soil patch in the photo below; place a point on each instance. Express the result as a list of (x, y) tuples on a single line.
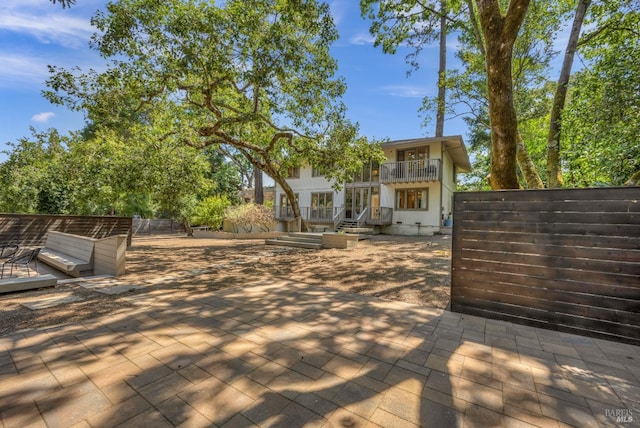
[(401, 268)]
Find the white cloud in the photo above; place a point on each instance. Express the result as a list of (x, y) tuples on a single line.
[(19, 68), (48, 23), (67, 31), (338, 10), (407, 91), (43, 117), (362, 39)]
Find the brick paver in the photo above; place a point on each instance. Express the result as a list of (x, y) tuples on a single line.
[(289, 354)]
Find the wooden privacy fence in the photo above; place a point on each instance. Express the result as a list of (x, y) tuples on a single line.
[(565, 259), (152, 226), (31, 229)]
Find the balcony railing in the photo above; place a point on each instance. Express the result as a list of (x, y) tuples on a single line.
[(380, 216), (310, 214), (410, 171), (335, 215)]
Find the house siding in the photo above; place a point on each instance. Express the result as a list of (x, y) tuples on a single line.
[(404, 221), (448, 184), (307, 184)]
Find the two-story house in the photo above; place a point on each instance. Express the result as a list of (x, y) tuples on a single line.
[(410, 193)]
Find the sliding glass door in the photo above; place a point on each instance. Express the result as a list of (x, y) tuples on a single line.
[(357, 199)]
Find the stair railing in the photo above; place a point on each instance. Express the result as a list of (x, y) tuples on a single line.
[(338, 216), (363, 214)]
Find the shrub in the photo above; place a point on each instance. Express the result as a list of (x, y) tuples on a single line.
[(211, 211), (248, 216)]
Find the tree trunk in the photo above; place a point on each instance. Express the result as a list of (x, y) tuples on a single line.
[(258, 189), (263, 163), (500, 34), (292, 200), (187, 226), (442, 70), (634, 180), (527, 167), (554, 167)]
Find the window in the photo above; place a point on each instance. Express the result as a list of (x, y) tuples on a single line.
[(293, 172), (322, 205), (322, 200), (321, 171), (412, 199), (318, 171), (375, 171), (370, 172), (419, 153), (285, 206)]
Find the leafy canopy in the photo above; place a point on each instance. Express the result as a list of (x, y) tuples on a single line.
[(255, 75)]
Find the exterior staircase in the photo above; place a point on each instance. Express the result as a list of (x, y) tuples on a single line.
[(346, 223), (311, 241), (347, 226)]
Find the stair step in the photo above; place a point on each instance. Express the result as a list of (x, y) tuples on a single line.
[(305, 235), (297, 244), (312, 240)]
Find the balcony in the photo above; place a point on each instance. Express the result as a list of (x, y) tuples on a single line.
[(410, 171)]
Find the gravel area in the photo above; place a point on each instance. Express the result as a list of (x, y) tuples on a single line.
[(409, 269)]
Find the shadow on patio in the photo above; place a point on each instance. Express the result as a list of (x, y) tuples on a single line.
[(280, 353)]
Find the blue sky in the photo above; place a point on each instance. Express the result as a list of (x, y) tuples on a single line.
[(37, 33)]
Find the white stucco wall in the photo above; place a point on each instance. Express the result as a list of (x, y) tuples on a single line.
[(448, 184), (407, 219), (440, 197), (307, 184)]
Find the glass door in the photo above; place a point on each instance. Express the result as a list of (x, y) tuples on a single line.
[(356, 200), (375, 203), (348, 203)]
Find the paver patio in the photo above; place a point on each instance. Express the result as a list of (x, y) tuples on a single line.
[(278, 353)]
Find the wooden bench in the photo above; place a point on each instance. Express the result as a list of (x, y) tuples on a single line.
[(71, 254), (27, 283), (78, 255), (109, 255)]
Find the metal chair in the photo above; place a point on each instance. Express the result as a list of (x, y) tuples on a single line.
[(8, 250), (24, 259)]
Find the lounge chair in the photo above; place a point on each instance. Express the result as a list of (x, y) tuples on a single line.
[(8, 250), (23, 259)]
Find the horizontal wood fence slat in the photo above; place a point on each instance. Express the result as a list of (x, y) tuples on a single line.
[(536, 247), (562, 259), (30, 230), (559, 228), (155, 226), (603, 242)]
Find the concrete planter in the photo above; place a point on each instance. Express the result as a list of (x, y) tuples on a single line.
[(339, 240)]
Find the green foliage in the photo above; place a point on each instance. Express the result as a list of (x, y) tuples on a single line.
[(414, 24), (211, 211), (253, 75), (249, 215), (64, 3), (102, 174), (600, 133), (33, 178), (226, 172), (601, 119)]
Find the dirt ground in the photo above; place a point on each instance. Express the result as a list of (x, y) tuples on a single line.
[(409, 269)]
